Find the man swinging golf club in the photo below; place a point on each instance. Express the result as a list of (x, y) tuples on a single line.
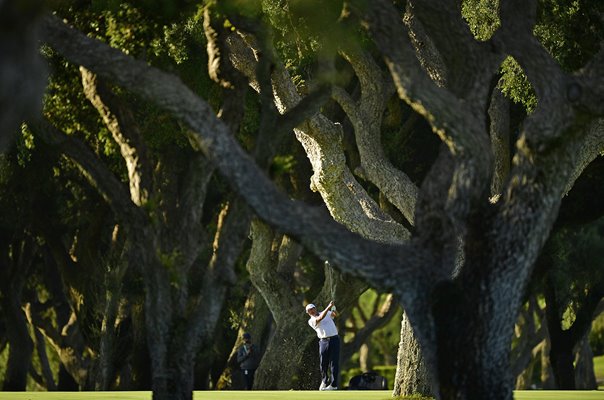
[(329, 344)]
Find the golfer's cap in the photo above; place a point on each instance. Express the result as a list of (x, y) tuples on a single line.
[(247, 336), (309, 306)]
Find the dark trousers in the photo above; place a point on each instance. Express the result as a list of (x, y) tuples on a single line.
[(329, 358), (248, 377)]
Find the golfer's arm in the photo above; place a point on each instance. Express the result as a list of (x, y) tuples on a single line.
[(322, 315)]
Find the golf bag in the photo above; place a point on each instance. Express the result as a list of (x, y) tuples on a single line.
[(368, 381)]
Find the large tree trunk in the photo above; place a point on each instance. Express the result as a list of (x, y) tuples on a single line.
[(291, 359), (283, 358), (561, 356), (258, 322), (21, 345), (116, 270), (585, 377), (524, 380), (547, 374), (177, 322), (411, 370), (159, 324), (40, 343), (529, 340), (64, 331), (22, 70), (564, 341), (14, 265), (66, 381), (484, 372)]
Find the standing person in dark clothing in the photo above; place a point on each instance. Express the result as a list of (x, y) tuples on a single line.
[(248, 358)]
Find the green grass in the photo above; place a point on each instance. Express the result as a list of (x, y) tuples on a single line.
[(213, 395), (285, 395), (558, 395), (599, 369)]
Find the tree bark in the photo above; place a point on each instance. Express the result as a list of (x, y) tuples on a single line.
[(529, 339), (561, 356), (106, 357), (547, 375), (585, 377), (411, 376), (499, 115), (564, 342), (14, 265), (257, 320), (21, 345), (291, 357), (464, 374), (22, 70), (40, 345), (282, 359)]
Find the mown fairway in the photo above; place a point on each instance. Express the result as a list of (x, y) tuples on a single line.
[(278, 395), (599, 370)]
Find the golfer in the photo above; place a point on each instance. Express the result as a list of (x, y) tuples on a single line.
[(329, 344)]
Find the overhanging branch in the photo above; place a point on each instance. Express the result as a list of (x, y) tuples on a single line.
[(108, 185), (384, 266)]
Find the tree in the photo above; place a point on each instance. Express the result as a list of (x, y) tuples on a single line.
[(451, 305), (290, 358), (18, 256), (185, 247), (567, 280), (573, 289), (23, 72)]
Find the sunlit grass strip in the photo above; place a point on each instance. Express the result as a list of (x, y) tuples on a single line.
[(285, 395), (599, 370)]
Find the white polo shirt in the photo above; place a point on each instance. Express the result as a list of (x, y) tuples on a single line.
[(324, 328)]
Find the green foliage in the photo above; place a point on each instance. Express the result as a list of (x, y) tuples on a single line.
[(516, 85), (596, 336), (571, 30), (251, 9), (66, 106), (383, 342), (3, 362), (172, 262), (25, 143), (129, 27), (482, 17), (282, 164), (578, 265), (161, 10), (308, 41)]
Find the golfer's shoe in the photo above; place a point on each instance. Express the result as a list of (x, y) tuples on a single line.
[(323, 386), (331, 388)]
